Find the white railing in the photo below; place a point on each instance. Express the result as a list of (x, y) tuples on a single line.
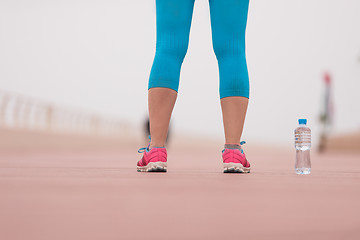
[(21, 112)]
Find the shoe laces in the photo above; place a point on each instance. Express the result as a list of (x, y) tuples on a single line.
[(145, 149), (242, 143)]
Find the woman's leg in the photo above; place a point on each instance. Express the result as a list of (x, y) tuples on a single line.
[(234, 112), (228, 22), (173, 21), (161, 103)]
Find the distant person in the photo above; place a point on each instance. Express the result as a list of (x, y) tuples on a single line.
[(147, 127), (327, 112), (173, 21)]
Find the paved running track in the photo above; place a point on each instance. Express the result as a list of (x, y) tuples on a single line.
[(94, 193)]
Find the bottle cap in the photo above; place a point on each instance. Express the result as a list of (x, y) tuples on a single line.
[(303, 121)]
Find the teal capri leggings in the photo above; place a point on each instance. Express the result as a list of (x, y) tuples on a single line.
[(228, 23)]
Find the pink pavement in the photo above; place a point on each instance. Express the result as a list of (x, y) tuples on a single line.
[(91, 190)]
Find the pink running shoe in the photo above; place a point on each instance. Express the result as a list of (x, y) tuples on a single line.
[(234, 161), (153, 160)]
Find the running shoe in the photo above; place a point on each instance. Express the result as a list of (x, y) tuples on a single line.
[(153, 160), (234, 160)]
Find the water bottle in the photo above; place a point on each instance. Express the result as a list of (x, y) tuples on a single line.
[(302, 146)]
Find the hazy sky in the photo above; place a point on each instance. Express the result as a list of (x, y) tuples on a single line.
[(97, 55)]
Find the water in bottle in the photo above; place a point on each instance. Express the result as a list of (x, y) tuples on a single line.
[(302, 146)]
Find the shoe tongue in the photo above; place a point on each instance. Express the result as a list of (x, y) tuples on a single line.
[(232, 146)]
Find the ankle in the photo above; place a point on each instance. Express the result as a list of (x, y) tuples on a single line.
[(152, 145), (232, 146)]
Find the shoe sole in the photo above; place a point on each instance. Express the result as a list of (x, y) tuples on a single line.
[(235, 168), (153, 167)]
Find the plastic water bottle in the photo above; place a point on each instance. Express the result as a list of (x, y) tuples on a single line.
[(302, 146)]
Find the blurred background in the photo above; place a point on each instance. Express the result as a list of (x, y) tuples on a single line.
[(83, 66), (73, 110)]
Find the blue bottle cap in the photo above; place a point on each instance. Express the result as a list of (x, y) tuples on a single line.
[(303, 121)]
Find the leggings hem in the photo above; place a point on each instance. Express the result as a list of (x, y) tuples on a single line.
[(234, 93), (162, 85)]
